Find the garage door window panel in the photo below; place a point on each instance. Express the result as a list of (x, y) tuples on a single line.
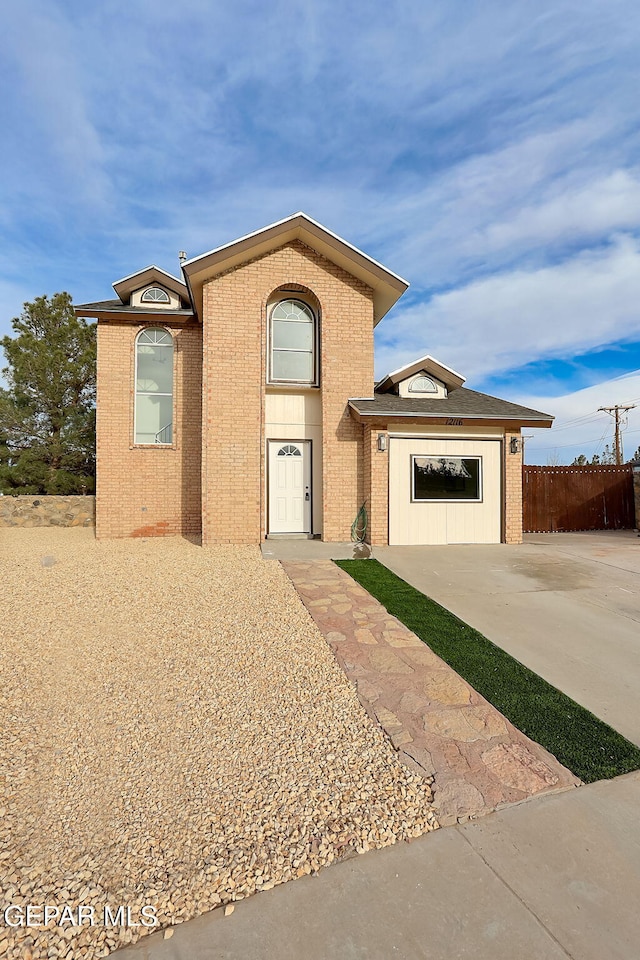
[(444, 479)]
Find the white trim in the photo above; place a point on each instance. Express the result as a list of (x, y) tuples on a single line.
[(280, 223), (307, 459), (151, 266), (427, 356)]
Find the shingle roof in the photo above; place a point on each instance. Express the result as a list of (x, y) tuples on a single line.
[(460, 403)]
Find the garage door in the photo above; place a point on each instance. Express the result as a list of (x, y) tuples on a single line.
[(444, 491)]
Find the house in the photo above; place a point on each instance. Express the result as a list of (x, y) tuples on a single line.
[(238, 403)]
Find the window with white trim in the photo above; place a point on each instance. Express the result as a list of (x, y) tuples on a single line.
[(446, 478), (154, 387), (155, 295), (422, 384), (293, 343)]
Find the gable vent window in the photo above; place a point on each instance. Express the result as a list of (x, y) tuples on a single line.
[(422, 385), (155, 295), (154, 387), (293, 343)]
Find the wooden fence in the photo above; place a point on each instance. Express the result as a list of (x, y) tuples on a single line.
[(577, 498)]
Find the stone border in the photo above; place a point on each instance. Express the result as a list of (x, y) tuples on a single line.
[(439, 725)]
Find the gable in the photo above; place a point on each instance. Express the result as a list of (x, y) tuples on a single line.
[(386, 286)]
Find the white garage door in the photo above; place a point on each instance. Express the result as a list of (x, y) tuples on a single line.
[(444, 491)]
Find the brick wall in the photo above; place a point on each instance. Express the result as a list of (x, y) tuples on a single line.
[(147, 491), (234, 377), (376, 471), (47, 511), (512, 489)]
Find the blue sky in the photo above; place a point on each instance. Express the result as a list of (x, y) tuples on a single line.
[(487, 152)]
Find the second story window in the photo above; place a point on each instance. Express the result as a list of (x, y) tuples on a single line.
[(155, 295), (154, 386), (293, 338)]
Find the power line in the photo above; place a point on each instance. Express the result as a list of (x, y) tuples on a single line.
[(561, 446)]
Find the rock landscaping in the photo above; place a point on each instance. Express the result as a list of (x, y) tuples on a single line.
[(175, 734)]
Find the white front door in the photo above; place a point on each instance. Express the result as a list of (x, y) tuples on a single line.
[(289, 486)]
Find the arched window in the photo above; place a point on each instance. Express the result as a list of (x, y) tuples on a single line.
[(155, 295), (154, 386), (422, 384), (293, 339)]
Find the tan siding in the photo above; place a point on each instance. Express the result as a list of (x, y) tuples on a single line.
[(444, 522)]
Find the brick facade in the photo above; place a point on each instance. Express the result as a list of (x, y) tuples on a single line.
[(147, 491), (376, 470), (212, 480), (234, 379), (512, 495)]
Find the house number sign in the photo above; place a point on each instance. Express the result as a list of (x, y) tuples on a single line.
[(454, 422)]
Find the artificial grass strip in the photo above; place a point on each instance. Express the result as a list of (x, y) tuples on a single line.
[(587, 746)]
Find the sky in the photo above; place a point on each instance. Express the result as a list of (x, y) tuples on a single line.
[(488, 152)]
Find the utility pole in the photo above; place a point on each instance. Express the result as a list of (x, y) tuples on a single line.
[(614, 411)]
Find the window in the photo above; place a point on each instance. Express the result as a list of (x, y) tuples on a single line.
[(447, 478), (155, 295), (154, 387), (293, 343), (422, 384), (289, 451)]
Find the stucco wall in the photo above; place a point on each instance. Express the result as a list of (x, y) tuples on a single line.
[(36, 511)]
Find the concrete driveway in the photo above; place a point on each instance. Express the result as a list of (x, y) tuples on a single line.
[(567, 605)]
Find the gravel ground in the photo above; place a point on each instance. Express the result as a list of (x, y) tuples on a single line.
[(176, 733)]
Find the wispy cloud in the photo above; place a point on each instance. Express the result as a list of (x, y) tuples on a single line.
[(483, 151), (519, 316)]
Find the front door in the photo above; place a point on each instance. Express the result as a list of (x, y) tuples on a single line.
[(289, 486)]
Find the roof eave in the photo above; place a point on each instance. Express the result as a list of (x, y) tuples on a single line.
[(134, 315), (387, 286), (545, 422), (440, 370), (126, 286)]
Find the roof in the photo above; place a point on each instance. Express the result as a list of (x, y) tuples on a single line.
[(427, 363), (123, 310), (387, 287), (125, 287), (460, 404)]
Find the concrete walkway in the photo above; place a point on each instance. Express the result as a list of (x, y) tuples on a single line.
[(567, 605), (439, 724), (556, 878)]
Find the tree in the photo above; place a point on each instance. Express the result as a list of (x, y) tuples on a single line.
[(47, 411), (608, 455), (580, 461), (636, 456)]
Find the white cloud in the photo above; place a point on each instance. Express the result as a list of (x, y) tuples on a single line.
[(579, 426), (607, 203), (517, 317)]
